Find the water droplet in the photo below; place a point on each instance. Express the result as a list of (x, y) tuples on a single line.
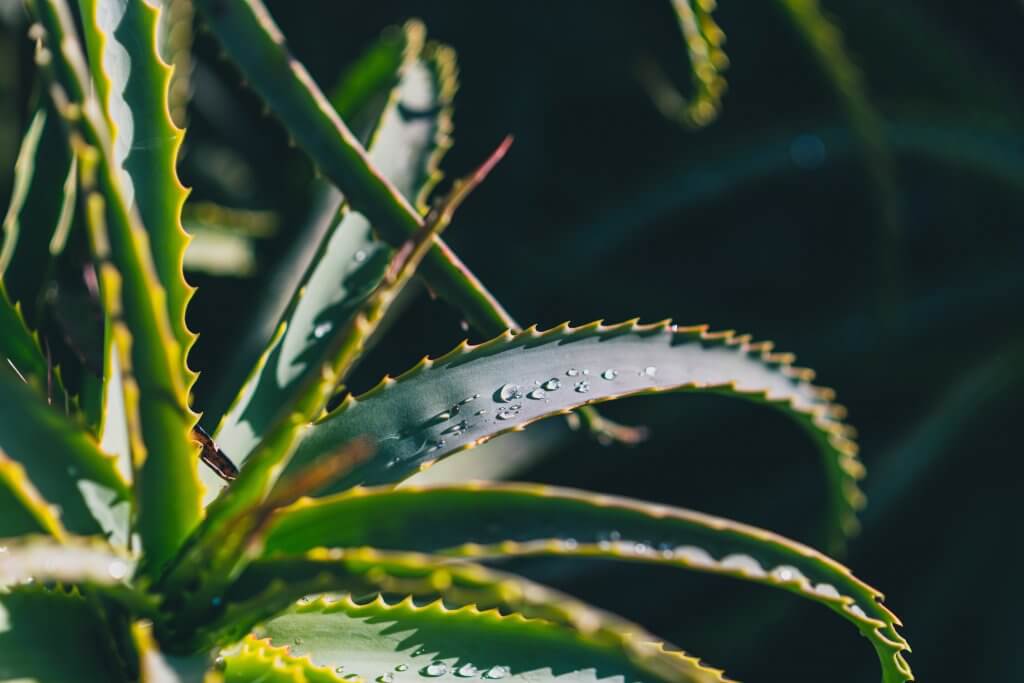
[(609, 374), (614, 535), (826, 590), (537, 394), (359, 256), (570, 544), (856, 609), (387, 677), (585, 371), (553, 384), (786, 573), (698, 557), (339, 669), (572, 372), (509, 392), (496, 672), (464, 326), (480, 412), (583, 386), (352, 677), (402, 667), (321, 330), (220, 664), (641, 548), (469, 399), (650, 371), (437, 445), (117, 570), (298, 641), (435, 669), (507, 414), (745, 564), (457, 429), (442, 416), (467, 671)]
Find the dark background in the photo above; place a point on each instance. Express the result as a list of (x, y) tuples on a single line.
[(605, 209)]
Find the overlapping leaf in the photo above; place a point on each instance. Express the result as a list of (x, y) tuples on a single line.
[(505, 520)]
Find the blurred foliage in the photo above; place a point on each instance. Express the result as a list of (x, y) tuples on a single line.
[(765, 220)]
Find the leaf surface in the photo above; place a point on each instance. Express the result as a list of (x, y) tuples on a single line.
[(474, 393)]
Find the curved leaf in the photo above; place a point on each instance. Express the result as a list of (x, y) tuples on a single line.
[(474, 393), (484, 520), (351, 262), (167, 485), (41, 209), (35, 622), (269, 586), (62, 461), (381, 641), (704, 40), (22, 509)]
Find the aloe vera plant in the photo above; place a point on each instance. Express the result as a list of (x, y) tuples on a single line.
[(306, 563)]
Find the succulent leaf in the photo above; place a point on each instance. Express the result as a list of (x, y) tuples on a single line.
[(380, 641), (485, 520), (269, 586), (474, 393)]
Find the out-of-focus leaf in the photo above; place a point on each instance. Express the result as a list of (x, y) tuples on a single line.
[(156, 667), (474, 393), (40, 213), (34, 620), (22, 509)]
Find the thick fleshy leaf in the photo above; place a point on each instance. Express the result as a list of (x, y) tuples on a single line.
[(484, 520), (40, 213), (474, 393), (270, 586), (63, 462), (404, 642), (351, 261), (53, 636), (151, 357), (133, 83), (22, 509)]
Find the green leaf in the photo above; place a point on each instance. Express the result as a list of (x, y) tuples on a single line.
[(474, 393), (19, 347), (248, 33), (53, 636), (381, 641), (22, 509), (167, 484), (156, 667), (255, 660), (482, 520), (133, 83), (40, 213), (407, 148), (269, 586), (63, 462), (704, 40)]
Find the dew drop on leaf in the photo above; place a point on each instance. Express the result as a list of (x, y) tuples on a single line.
[(509, 392), (583, 386), (553, 384), (359, 256), (572, 372), (117, 570), (321, 330), (650, 371), (609, 374), (537, 394), (434, 669), (402, 667), (467, 671), (496, 672), (387, 677)]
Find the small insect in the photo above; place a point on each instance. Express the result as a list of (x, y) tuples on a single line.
[(213, 456)]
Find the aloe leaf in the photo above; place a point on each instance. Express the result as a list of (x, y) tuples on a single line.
[(704, 40), (474, 393), (156, 667), (167, 484), (351, 261), (386, 641), (269, 586), (256, 660), (40, 211), (22, 509), (63, 462), (133, 83), (33, 619), (482, 521), (19, 347)]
